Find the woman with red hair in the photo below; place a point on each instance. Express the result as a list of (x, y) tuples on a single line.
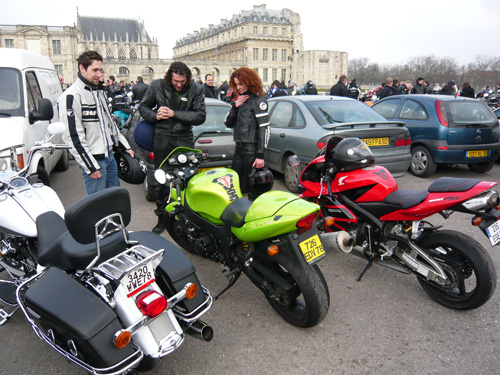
[(249, 118)]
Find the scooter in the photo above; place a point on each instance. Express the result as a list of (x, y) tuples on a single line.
[(275, 240), (392, 227), (108, 300)]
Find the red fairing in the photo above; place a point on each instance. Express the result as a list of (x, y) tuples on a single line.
[(437, 202)]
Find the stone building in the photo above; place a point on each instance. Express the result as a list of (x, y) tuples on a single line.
[(269, 41), (125, 45)]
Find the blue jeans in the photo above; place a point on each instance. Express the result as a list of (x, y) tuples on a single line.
[(109, 176)]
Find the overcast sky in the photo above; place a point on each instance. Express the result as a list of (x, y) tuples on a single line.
[(385, 31)]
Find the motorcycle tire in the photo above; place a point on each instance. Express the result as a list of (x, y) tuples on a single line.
[(308, 303), (174, 229), (468, 265)]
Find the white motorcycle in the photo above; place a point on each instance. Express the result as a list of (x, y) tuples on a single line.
[(108, 300)]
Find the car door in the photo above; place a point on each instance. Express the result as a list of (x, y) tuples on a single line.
[(418, 120)]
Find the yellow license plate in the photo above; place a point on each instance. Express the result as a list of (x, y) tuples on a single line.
[(312, 248), (370, 142), (477, 153)]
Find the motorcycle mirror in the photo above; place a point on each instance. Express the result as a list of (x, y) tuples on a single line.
[(160, 176), (293, 161), (56, 128)]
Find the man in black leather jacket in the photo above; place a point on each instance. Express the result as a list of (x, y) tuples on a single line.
[(174, 104)]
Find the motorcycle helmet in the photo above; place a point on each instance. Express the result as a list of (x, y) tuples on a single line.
[(130, 169), (261, 180), (349, 154)]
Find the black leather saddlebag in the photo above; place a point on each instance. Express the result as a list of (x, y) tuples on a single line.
[(75, 313), (174, 271)]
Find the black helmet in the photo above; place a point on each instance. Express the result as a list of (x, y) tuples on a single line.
[(261, 180), (310, 83), (349, 154), (130, 169)]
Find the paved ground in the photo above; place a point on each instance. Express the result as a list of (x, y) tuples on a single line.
[(385, 324)]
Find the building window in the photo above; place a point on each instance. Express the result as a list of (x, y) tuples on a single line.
[(264, 75), (56, 47), (264, 54), (59, 69), (242, 31), (283, 55), (275, 55), (123, 71), (110, 54), (255, 30), (255, 54), (283, 74), (133, 54), (275, 31), (121, 54), (275, 74), (9, 43), (283, 31), (265, 30), (256, 70)]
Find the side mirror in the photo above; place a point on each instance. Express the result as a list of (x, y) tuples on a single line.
[(293, 161), (160, 176), (44, 111), (56, 128)]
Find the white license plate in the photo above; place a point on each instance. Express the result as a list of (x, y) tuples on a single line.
[(138, 278), (493, 232)]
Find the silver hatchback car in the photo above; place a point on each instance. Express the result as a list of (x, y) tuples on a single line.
[(302, 124)]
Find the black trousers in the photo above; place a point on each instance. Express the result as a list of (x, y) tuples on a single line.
[(164, 144), (244, 156)]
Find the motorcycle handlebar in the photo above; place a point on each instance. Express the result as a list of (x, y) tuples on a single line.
[(206, 156)]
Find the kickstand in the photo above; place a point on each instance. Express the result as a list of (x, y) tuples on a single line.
[(234, 275), (367, 267)]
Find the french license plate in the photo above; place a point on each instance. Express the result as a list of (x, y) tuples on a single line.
[(312, 248), (138, 278), (376, 141), (477, 154), (493, 232)]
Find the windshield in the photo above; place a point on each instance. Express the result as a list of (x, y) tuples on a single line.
[(214, 122), (335, 111), (11, 102), (465, 112)]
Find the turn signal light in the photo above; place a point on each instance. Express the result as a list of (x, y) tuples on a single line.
[(477, 220), (191, 291), (151, 303), (273, 250), (329, 221), (122, 339)]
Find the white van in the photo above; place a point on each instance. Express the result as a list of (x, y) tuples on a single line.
[(29, 88)]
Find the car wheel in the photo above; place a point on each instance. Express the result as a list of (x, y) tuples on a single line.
[(43, 176), (481, 167), (422, 164), (292, 176), (63, 163)]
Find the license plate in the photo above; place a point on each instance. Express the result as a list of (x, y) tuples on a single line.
[(312, 248), (477, 154), (138, 278), (370, 142), (493, 232)]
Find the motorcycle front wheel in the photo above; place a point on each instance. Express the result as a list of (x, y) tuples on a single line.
[(308, 302), (469, 267), (175, 230)]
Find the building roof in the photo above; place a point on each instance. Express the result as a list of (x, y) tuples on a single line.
[(95, 27)]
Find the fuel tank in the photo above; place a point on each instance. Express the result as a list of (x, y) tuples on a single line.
[(210, 192)]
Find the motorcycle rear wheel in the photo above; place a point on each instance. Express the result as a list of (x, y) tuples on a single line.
[(308, 302), (467, 263)]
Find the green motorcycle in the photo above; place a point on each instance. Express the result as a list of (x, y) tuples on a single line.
[(275, 240)]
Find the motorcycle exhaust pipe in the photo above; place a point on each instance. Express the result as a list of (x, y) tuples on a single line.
[(337, 241), (201, 330)]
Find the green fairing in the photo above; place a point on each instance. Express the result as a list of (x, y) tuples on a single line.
[(272, 214)]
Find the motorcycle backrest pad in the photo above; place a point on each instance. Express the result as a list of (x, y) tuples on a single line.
[(82, 216)]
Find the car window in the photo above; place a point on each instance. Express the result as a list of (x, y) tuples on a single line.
[(300, 121), (214, 121), (334, 111), (413, 110), (11, 98), (282, 115), (33, 90), (465, 112), (387, 108)]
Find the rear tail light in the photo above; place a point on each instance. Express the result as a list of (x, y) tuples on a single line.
[(306, 222), (151, 155), (322, 142), (205, 141), (403, 142), (151, 303), (441, 112)]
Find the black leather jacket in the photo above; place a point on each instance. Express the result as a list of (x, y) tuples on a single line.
[(189, 109), (250, 122)]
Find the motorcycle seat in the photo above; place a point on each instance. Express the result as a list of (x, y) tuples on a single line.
[(452, 184), (406, 198), (234, 214)]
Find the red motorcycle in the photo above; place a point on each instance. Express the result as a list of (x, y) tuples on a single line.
[(389, 225)]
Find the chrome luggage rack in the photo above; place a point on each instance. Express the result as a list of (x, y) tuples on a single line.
[(116, 267)]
